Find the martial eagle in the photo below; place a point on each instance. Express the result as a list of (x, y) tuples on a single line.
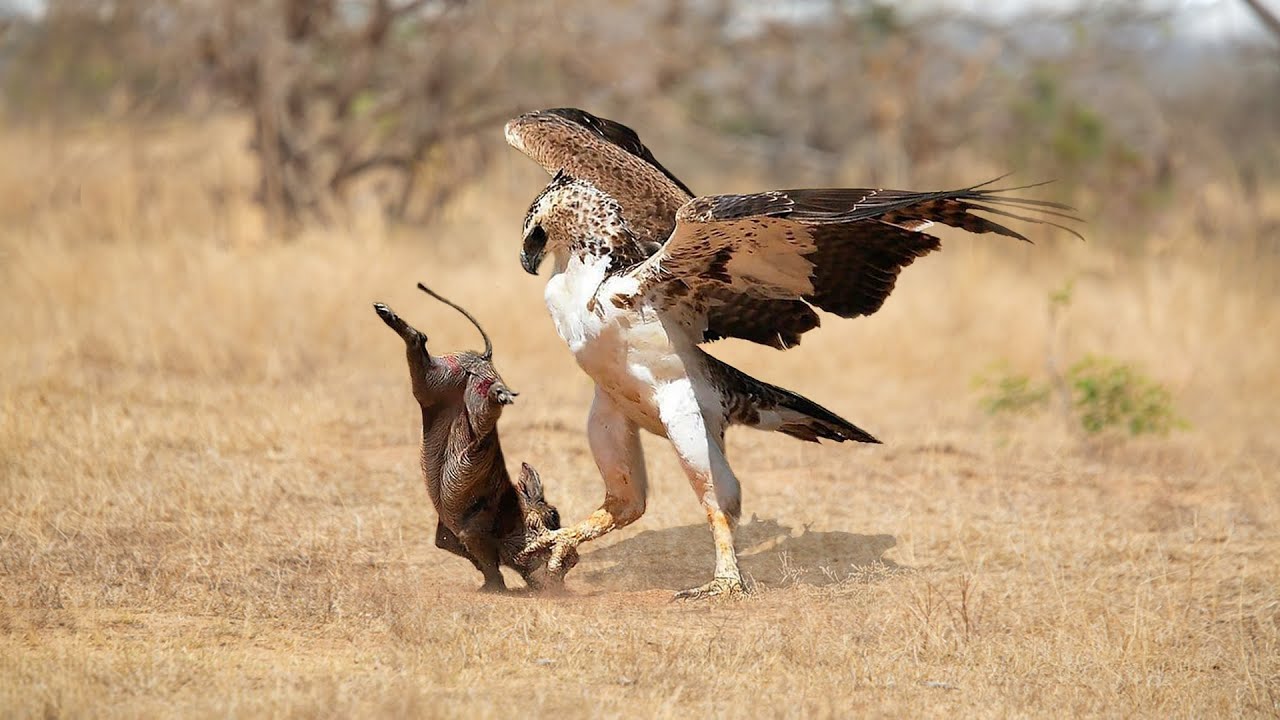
[(645, 272)]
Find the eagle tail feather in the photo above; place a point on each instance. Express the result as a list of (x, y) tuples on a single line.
[(807, 420), (756, 403)]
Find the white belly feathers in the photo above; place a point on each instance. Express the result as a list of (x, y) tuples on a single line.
[(627, 352)]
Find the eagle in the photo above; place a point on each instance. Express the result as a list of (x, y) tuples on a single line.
[(645, 272)]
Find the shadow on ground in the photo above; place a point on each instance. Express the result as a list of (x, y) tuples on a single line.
[(769, 552)]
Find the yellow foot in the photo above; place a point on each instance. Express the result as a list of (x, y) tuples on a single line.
[(726, 587), (561, 549)]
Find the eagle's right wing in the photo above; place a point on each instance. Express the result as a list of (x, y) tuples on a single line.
[(758, 264)]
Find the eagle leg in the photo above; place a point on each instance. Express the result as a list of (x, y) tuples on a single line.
[(561, 548), (699, 445), (718, 587), (615, 443)]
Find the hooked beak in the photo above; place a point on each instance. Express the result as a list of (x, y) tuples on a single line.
[(406, 331), (535, 247)]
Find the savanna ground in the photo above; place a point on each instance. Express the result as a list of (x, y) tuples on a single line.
[(211, 501)]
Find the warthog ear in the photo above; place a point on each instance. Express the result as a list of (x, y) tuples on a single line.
[(529, 485)]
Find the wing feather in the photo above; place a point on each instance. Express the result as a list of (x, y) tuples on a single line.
[(611, 157), (745, 260), (776, 323), (618, 134)]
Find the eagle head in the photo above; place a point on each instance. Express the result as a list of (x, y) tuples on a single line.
[(571, 216), (533, 248)]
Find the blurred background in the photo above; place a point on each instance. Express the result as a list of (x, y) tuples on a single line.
[(1149, 115), (270, 165)]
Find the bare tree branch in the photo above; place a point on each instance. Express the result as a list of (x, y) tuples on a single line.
[(334, 100), (1267, 17)]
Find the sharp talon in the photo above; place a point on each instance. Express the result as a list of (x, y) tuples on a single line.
[(718, 587), (563, 558), (562, 549), (535, 547), (528, 555)]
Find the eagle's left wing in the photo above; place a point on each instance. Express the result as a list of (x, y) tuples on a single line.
[(577, 141), (752, 265), (611, 157)]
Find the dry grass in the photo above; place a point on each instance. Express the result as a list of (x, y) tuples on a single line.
[(210, 501)]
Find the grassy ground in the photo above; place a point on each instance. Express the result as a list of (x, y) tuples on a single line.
[(210, 505)]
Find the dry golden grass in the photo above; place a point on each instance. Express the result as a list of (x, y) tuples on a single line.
[(211, 506)]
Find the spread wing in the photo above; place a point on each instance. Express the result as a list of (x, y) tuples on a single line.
[(554, 139), (611, 157), (755, 266)]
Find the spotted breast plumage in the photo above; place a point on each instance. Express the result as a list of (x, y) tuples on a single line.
[(645, 272)]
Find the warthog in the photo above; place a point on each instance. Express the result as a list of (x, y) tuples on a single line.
[(483, 516)]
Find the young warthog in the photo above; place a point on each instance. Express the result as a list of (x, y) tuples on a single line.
[(483, 517)]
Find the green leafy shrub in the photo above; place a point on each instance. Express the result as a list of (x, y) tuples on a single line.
[(1105, 394), (1007, 392), (1109, 394)]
